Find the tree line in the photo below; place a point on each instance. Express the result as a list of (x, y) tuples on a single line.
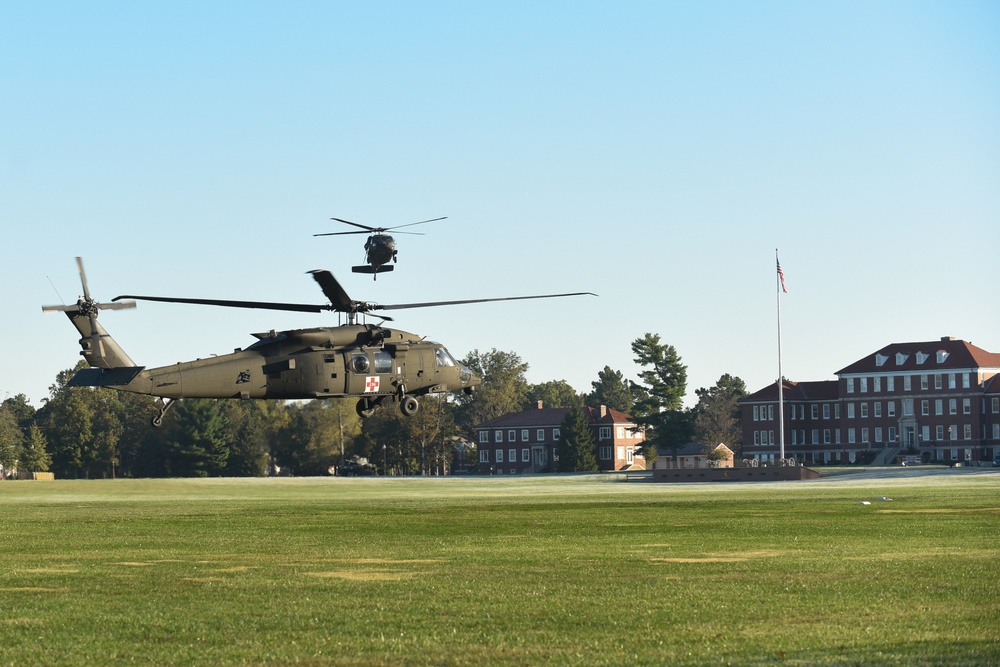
[(85, 432)]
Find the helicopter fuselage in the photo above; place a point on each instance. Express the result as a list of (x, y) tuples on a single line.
[(371, 362), (380, 249)]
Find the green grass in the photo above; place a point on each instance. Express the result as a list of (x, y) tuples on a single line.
[(508, 571)]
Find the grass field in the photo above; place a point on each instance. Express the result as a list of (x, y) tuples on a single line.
[(504, 571)]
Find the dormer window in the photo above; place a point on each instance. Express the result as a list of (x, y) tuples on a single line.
[(941, 356), (880, 359), (901, 358), (921, 357)]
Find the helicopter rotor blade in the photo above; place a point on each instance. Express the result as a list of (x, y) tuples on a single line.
[(83, 278), (340, 301), (332, 289), (358, 224), (265, 305), (428, 304), (342, 233), (121, 305), (415, 223)]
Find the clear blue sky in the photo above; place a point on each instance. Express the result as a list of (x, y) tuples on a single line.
[(653, 152)]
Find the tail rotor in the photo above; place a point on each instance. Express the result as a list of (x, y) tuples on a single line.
[(87, 306)]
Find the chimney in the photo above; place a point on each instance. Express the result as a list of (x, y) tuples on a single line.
[(604, 411), (947, 338), (539, 404)]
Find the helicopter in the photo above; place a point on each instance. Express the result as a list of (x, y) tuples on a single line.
[(371, 361), (380, 248)]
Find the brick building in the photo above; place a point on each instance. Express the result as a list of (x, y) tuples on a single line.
[(939, 399), (526, 441)]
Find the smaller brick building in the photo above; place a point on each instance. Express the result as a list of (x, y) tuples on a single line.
[(526, 441), (695, 455)]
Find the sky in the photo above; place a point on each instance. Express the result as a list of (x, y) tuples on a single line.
[(654, 153)]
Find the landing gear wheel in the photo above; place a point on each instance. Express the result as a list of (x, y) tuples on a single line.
[(365, 408), (409, 405), (157, 420)]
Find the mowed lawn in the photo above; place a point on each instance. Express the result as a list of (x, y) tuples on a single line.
[(506, 571)]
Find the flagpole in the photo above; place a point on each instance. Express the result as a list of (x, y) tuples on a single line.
[(779, 286)]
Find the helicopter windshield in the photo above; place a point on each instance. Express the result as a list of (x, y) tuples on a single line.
[(443, 357)]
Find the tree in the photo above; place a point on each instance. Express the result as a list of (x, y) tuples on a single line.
[(70, 420), (552, 394), (665, 380), (432, 431), (717, 415), (22, 411), (502, 391), (576, 446), (10, 440), (196, 446), (659, 400), (611, 389), (34, 457), (310, 443), (244, 429)]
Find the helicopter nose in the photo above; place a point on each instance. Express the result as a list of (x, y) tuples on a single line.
[(468, 378)]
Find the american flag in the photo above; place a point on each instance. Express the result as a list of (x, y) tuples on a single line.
[(781, 275)]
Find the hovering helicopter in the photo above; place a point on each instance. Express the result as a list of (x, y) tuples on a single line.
[(375, 363), (380, 248)]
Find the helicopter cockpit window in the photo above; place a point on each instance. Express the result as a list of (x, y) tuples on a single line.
[(443, 357), (359, 362), (383, 362)]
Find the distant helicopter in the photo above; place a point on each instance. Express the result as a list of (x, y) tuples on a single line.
[(375, 363), (380, 248)]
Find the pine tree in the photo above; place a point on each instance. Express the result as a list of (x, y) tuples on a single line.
[(612, 390), (659, 400), (576, 443), (34, 457), (198, 447)]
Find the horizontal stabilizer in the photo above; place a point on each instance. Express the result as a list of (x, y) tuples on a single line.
[(365, 268), (105, 377)]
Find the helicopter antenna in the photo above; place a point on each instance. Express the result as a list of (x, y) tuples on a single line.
[(58, 295)]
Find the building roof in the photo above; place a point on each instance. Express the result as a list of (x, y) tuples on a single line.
[(528, 418), (606, 415), (929, 356), (822, 390)]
